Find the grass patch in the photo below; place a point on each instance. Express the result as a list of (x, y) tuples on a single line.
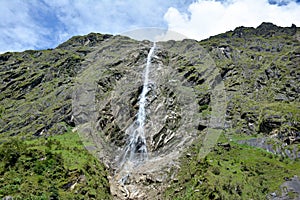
[(57, 167), (242, 172)]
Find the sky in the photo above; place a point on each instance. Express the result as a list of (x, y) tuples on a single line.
[(43, 24)]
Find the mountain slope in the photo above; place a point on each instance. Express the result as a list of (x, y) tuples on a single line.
[(260, 68), (242, 85)]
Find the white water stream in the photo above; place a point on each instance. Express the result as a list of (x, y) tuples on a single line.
[(136, 148)]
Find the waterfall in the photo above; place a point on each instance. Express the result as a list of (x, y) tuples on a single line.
[(136, 147)]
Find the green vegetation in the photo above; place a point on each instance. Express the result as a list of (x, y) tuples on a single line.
[(259, 68), (36, 91), (56, 167), (260, 71), (230, 171)]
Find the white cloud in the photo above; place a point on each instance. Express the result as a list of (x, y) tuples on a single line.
[(40, 24), (153, 34), (82, 17), (37, 24), (209, 17), (18, 30)]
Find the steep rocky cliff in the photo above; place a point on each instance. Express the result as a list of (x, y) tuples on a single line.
[(208, 102)]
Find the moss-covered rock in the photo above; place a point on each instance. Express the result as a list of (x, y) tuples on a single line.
[(244, 81)]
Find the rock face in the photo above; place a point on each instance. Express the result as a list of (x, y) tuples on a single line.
[(260, 68), (243, 82), (180, 83)]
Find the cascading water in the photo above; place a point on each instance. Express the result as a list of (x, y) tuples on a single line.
[(136, 148)]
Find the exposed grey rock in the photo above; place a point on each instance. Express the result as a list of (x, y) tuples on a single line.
[(288, 190), (7, 198), (106, 103), (94, 82)]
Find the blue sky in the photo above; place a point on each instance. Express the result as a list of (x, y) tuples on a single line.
[(42, 24)]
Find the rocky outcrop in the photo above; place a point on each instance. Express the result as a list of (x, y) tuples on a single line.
[(260, 71), (181, 87), (36, 91), (245, 82)]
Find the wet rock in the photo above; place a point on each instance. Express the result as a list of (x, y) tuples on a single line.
[(105, 74)]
